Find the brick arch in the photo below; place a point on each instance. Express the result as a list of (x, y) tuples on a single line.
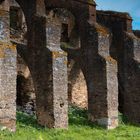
[(76, 7), (25, 92)]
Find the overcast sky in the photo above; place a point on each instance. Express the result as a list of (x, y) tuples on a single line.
[(131, 6)]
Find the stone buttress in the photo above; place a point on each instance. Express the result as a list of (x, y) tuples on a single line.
[(7, 72), (100, 71), (49, 71)]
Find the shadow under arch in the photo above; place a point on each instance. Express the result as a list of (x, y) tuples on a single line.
[(77, 88), (18, 34), (25, 87)]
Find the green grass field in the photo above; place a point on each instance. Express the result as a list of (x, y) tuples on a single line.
[(79, 129)]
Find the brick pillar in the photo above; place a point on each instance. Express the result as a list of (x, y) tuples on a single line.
[(100, 71), (131, 78), (50, 74), (7, 73)]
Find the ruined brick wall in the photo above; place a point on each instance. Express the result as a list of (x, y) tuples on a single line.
[(77, 88), (125, 49), (48, 65), (117, 23)]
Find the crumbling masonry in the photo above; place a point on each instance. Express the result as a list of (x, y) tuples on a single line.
[(64, 45)]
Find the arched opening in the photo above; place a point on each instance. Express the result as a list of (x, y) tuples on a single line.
[(25, 88), (25, 92), (70, 42), (77, 88)]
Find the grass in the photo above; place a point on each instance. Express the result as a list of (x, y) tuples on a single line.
[(79, 129)]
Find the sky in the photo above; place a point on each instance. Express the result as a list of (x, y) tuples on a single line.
[(131, 6)]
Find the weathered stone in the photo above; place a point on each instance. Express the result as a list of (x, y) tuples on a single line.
[(125, 49), (7, 75), (50, 75), (100, 70)]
